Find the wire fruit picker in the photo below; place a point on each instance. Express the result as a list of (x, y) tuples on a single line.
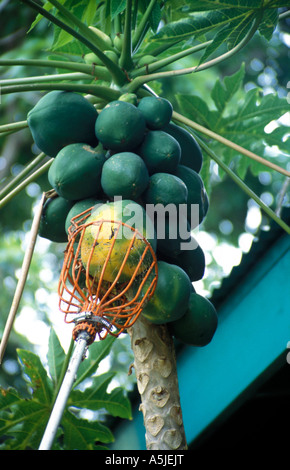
[(96, 306)]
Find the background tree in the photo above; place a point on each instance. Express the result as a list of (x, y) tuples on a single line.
[(238, 93)]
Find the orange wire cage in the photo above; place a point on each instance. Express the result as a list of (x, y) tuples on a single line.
[(88, 299)]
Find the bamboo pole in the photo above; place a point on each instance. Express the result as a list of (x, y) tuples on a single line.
[(23, 276)]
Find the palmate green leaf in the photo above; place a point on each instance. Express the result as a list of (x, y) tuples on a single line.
[(231, 35), (241, 121), (206, 5), (228, 21), (117, 7), (55, 357), (38, 378), (97, 351), (22, 421), (62, 40), (80, 434), (269, 23), (96, 397), (194, 26), (27, 425), (223, 92), (258, 110)]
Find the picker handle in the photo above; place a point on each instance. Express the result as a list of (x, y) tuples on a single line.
[(62, 397)]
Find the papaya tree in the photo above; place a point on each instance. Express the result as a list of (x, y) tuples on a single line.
[(105, 128)]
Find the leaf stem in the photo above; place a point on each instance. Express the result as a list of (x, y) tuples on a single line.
[(142, 25), (139, 81), (28, 168), (126, 54), (244, 187), (229, 143), (13, 126), (87, 37), (92, 70), (106, 93), (284, 14), (58, 77), (90, 38), (24, 183), (238, 181), (168, 60)]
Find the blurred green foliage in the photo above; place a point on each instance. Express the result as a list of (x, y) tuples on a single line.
[(266, 69)]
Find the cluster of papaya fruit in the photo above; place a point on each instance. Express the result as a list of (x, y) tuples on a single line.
[(130, 155)]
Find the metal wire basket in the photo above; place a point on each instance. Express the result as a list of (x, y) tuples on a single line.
[(86, 297)]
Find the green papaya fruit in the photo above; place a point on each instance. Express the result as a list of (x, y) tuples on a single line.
[(78, 208), (196, 195), (92, 58), (172, 233), (75, 173), (190, 258), (118, 41), (191, 154), (52, 222), (124, 174), (102, 39), (129, 98), (199, 323), (156, 111), (61, 118), (165, 188), (170, 299), (120, 126), (113, 250), (160, 151), (146, 60)]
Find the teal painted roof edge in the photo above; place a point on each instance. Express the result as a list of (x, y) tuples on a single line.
[(248, 345), (260, 245)]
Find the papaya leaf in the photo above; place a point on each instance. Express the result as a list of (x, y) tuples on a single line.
[(80, 434), (197, 109), (241, 121), (39, 17), (222, 93), (117, 7), (95, 397), (197, 25), (23, 420), (8, 398), (269, 23), (55, 357), (37, 376), (26, 426), (155, 17), (229, 22), (206, 5), (97, 351), (89, 13)]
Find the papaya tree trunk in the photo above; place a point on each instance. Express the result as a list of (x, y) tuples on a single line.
[(155, 368)]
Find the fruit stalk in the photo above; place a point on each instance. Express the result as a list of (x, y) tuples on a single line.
[(85, 36), (244, 187), (97, 90), (155, 368)]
